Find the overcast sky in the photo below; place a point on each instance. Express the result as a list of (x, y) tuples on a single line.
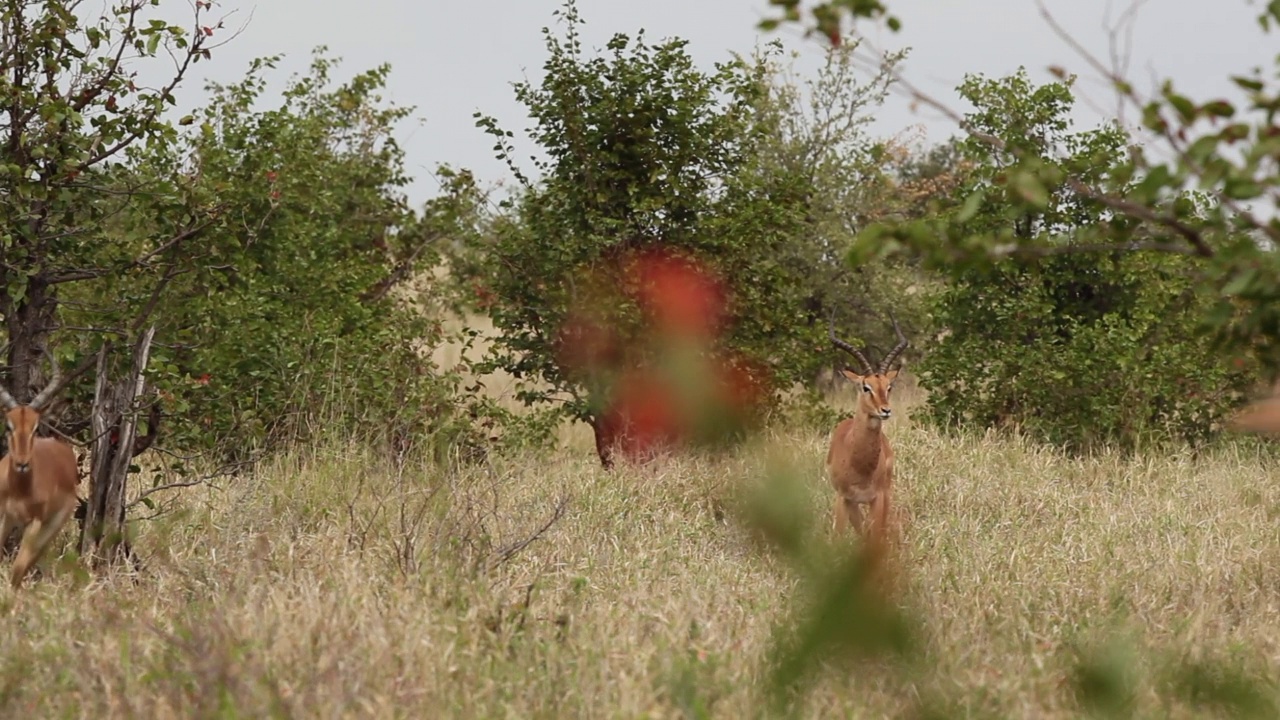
[(450, 59)]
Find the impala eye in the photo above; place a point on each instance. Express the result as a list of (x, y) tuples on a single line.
[(866, 388)]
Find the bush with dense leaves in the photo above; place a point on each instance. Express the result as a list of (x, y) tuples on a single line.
[(1079, 349), (299, 313), (644, 152)]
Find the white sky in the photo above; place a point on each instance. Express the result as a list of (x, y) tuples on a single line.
[(450, 59)]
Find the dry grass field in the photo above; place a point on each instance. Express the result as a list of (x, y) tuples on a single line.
[(339, 583)]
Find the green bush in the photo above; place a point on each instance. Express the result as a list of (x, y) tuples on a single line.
[(645, 155), (299, 313), (1078, 349)]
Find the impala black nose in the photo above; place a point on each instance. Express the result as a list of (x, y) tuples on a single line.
[(23, 467), (885, 412)]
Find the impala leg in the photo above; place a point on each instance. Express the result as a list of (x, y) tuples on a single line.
[(6, 526), (34, 540), (853, 510), (880, 517)]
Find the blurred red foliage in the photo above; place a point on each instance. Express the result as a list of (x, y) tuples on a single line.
[(679, 294), (669, 384)]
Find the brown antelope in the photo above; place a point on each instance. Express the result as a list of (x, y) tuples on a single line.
[(1262, 416), (860, 461), (38, 478)]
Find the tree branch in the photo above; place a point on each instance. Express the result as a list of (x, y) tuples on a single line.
[(1141, 212), (398, 274), (1017, 250), (1125, 90), (188, 233), (194, 49), (89, 94), (77, 274), (514, 549), (223, 471)]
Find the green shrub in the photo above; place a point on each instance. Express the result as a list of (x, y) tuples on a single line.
[(1075, 348), (1079, 350)]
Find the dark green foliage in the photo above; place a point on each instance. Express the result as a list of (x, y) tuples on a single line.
[(269, 247), (1076, 349), (74, 120), (642, 151), (296, 316), (1079, 351), (815, 154)]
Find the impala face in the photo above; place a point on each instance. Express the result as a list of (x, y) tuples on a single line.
[(22, 422), (873, 392)]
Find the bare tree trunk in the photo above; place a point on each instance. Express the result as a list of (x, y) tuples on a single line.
[(103, 537), (605, 437)]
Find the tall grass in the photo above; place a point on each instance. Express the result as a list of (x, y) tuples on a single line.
[(341, 582)]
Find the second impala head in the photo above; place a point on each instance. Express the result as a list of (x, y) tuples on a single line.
[(22, 422), (873, 392)]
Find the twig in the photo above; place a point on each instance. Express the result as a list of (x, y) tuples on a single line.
[(1016, 250), (1126, 90), (512, 550), (1141, 212), (399, 273), (223, 471)]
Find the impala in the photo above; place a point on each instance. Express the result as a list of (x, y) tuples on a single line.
[(38, 478), (1262, 416), (860, 461)]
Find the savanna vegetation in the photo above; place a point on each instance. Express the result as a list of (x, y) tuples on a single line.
[(559, 451)]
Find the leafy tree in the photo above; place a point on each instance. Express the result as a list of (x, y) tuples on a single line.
[(1033, 343), (1220, 150), (464, 249), (642, 152), (815, 144), (213, 275), (73, 118), (1194, 191), (303, 283)]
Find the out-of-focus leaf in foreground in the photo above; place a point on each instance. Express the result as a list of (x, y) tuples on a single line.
[(842, 611)]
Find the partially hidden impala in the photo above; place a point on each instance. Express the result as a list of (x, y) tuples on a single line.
[(38, 478)]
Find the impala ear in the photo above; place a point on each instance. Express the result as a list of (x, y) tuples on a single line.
[(851, 375), (892, 374)]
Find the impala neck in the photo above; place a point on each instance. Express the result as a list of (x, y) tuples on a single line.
[(864, 443), (869, 422)]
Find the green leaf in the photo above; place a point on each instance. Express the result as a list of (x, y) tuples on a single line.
[(1241, 188), (1157, 179), (1219, 108), (1247, 83), (1203, 148), (971, 205), (1184, 107), (1240, 282), (1029, 187)]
